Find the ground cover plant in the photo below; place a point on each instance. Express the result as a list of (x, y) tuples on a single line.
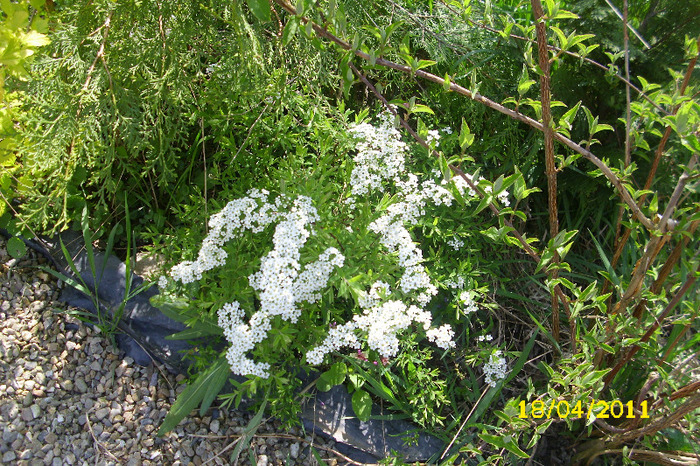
[(482, 216)]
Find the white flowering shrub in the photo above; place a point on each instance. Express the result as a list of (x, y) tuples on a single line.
[(317, 273)]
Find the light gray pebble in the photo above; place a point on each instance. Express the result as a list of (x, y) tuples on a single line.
[(27, 415), (81, 385), (294, 450), (101, 413), (56, 381), (214, 426)]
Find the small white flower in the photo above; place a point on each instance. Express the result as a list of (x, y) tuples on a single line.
[(495, 368)]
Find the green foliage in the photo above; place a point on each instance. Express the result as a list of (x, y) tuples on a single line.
[(106, 318), (22, 32), (177, 108)]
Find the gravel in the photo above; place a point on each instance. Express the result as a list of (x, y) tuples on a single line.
[(67, 396)]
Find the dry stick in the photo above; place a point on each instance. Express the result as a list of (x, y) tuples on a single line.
[(628, 111), (654, 245), (92, 434), (655, 164), (655, 457), (660, 423), (551, 168), (288, 437), (444, 453), (614, 180), (100, 54), (669, 307), (623, 17), (628, 116), (665, 271)]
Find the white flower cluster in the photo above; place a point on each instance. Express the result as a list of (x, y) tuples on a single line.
[(495, 368), (483, 338), (243, 338), (380, 155), (433, 136), (396, 238), (381, 324), (162, 282), (378, 291), (442, 336), (251, 212), (278, 296), (281, 286), (280, 281), (455, 284), (467, 301), (455, 243)]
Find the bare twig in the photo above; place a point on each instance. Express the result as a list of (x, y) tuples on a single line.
[(623, 17), (94, 438), (100, 52), (669, 307), (543, 54), (288, 437), (654, 245)]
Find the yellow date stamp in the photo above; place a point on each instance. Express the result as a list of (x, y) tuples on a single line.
[(601, 409)]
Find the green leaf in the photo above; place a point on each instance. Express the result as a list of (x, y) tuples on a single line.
[(198, 330), (260, 8), (35, 39), (567, 119), (290, 31), (362, 405), (466, 138), (447, 83), (564, 14), (192, 396), (222, 371), (248, 433), (420, 108), (16, 247), (332, 377), (522, 359), (174, 310)]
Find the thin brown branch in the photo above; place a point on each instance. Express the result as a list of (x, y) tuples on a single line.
[(655, 244), (628, 111), (100, 53), (543, 55), (657, 323), (655, 457), (661, 422), (614, 180), (623, 17), (669, 263)]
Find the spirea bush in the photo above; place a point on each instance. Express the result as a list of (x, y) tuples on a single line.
[(324, 272)]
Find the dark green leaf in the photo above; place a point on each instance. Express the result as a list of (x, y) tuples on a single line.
[(260, 8), (190, 398), (362, 405), (16, 247)]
